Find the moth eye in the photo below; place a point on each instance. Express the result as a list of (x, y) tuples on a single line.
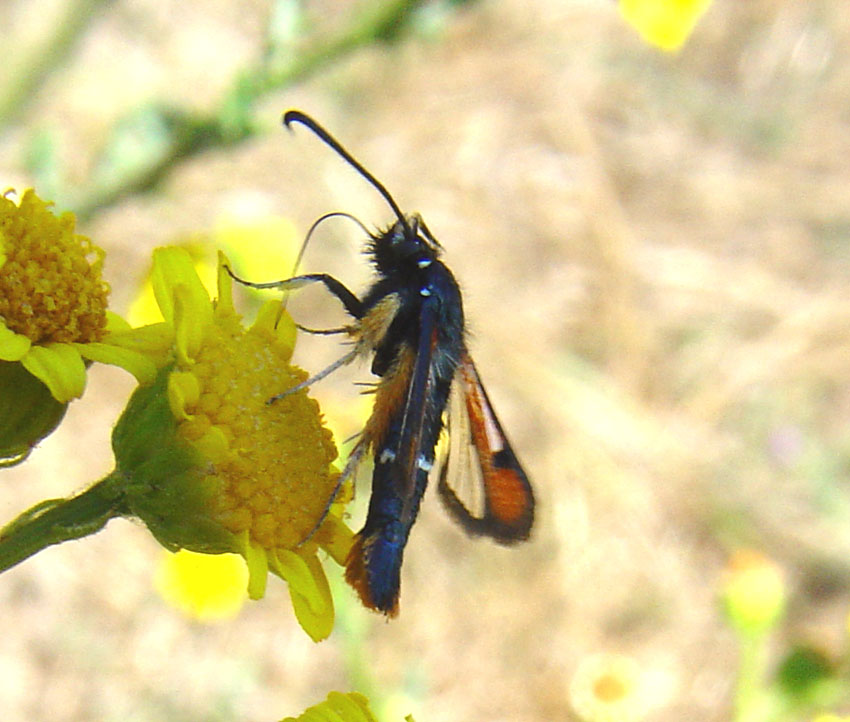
[(425, 291), (423, 262)]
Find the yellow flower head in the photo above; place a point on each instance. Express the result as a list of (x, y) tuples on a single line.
[(51, 290), (243, 474), (753, 592), (52, 316)]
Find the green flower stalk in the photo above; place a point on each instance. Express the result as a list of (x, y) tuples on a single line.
[(753, 596), (206, 462), (53, 322)]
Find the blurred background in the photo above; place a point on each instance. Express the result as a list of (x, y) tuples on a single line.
[(655, 254)]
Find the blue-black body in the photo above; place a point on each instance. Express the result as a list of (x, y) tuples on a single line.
[(419, 353), (411, 322)]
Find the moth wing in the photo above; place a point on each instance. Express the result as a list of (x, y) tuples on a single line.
[(482, 483)]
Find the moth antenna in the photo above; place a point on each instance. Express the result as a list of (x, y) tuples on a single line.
[(316, 223), (296, 116)]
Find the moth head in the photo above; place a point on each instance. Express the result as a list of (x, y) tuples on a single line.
[(406, 245)]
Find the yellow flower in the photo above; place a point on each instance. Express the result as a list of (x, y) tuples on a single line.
[(203, 458), (753, 592), (53, 316), (339, 707), (610, 688), (254, 242), (206, 587), (260, 479), (664, 23)]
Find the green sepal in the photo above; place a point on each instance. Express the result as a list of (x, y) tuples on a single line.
[(28, 412), (163, 475)]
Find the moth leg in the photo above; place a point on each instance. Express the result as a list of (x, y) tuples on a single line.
[(351, 303), (342, 361), (354, 459), (323, 331)]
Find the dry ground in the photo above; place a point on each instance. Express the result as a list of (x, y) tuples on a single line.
[(655, 255)]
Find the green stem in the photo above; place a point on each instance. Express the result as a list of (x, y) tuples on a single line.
[(38, 64), (751, 669), (374, 23), (192, 134), (59, 520)]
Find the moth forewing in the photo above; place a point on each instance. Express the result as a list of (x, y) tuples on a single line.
[(507, 513)]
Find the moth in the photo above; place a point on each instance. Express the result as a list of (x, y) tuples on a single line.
[(410, 322)]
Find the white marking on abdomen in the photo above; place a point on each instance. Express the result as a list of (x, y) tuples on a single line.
[(424, 464)]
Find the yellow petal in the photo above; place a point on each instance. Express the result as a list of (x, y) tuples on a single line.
[(154, 339), (183, 389), (60, 367), (272, 318), (173, 268), (138, 364), (258, 567), (116, 324), (189, 326), (224, 304), (335, 538), (13, 346), (309, 591)]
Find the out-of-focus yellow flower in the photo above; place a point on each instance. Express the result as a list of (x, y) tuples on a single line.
[(752, 592), (256, 243), (612, 688), (667, 24), (206, 587), (339, 707)]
